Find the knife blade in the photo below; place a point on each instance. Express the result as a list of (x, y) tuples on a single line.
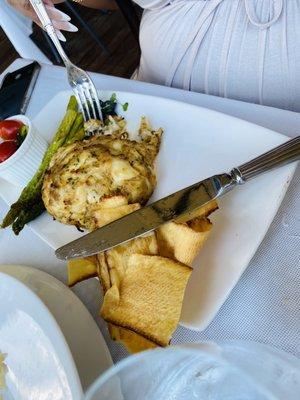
[(179, 204)]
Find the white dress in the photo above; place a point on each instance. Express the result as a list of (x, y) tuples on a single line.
[(242, 49)]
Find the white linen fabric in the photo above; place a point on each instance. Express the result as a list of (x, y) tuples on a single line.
[(242, 49)]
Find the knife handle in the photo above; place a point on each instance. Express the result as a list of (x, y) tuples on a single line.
[(284, 154)]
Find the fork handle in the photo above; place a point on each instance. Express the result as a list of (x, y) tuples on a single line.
[(47, 25), (284, 154)]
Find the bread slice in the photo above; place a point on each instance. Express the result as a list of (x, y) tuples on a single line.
[(149, 298), (81, 269), (182, 242)]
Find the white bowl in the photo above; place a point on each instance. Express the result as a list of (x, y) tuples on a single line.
[(20, 167)]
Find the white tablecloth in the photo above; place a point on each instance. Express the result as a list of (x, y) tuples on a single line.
[(265, 304)]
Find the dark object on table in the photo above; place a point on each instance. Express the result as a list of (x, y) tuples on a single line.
[(16, 90)]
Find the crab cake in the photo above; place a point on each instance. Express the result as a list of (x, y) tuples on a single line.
[(84, 175)]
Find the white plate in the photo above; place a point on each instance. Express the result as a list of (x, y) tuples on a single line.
[(197, 144), (82, 334), (39, 361)]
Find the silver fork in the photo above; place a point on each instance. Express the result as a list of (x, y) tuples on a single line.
[(80, 82)]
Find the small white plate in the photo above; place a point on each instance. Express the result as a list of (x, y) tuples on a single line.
[(81, 332), (38, 359), (197, 143)]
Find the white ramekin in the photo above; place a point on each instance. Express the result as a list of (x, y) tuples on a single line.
[(22, 165)]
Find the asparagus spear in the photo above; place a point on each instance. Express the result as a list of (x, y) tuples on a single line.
[(79, 135), (77, 126), (28, 215), (33, 189)]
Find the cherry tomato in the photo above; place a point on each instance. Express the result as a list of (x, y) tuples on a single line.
[(7, 149), (9, 129)]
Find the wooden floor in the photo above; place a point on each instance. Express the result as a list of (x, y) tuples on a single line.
[(123, 57)]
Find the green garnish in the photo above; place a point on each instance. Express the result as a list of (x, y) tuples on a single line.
[(113, 98), (22, 134), (109, 106)]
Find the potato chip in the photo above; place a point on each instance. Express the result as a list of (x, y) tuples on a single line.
[(149, 298), (81, 269), (182, 242), (102, 272), (133, 342), (116, 257), (103, 216), (200, 225), (116, 260)]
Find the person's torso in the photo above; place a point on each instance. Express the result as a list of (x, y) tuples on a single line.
[(243, 49)]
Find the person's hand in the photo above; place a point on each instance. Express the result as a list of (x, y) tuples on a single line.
[(59, 19)]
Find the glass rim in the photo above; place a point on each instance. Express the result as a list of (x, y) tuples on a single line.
[(131, 359), (184, 348), (188, 349)]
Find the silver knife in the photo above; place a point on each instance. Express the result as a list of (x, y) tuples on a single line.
[(180, 204)]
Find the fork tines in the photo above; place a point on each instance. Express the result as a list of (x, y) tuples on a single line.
[(88, 100)]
